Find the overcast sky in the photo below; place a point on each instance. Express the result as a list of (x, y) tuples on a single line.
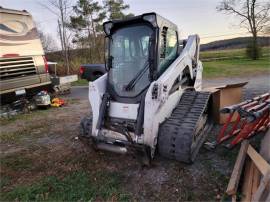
[(191, 16)]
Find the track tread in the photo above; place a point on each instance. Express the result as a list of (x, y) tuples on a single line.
[(176, 133)]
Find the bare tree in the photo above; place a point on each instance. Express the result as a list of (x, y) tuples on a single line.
[(47, 41), (60, 8), (254, 16)]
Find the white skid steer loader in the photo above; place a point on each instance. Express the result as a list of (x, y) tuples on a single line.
[(150, 97)]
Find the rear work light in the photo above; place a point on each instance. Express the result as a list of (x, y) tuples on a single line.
[(81, 70), (46, 66)]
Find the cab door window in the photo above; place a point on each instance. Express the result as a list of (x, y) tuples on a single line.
[(168, 48)]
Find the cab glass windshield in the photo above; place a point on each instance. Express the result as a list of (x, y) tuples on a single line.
[(129, 53)]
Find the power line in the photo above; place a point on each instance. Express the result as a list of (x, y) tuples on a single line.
[(214, 36), (203, 36)]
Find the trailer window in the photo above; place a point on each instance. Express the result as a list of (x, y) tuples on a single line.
[(168, 48)]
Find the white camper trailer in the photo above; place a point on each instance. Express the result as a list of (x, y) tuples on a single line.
[(23, 67)]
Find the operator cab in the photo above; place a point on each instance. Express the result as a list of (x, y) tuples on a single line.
[(138, 51)]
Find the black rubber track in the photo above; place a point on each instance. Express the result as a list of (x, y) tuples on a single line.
[(176, 134)]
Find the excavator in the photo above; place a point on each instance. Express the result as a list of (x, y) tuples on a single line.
[(150, 99)]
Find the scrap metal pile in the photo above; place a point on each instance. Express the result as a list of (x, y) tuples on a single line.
[(252, 116), (25, 105)]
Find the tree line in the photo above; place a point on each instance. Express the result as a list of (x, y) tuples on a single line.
[(254, 16), (82, 39), (80, 30)]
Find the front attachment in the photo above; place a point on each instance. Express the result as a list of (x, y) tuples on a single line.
[(139, 151)]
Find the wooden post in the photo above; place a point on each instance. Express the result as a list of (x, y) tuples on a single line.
[(237, 170), (256, 180), (248, 180), (258, 160), (265, 148), (264, 187)]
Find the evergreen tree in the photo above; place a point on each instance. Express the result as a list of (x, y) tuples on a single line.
[(115, 9), (87, 23)]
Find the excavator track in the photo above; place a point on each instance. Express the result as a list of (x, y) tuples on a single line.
[(182, 134)]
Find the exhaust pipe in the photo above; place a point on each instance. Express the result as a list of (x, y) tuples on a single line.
[(112, 148)]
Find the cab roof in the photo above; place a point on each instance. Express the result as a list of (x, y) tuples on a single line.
[(160, 21)]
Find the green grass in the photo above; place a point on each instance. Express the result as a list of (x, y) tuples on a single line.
[(5, 121), (75, 186), (80, 82), (10, 137), (232, 66), (26, 131), (22, 132), (16, 162), (236, 67), (231, 53), (4, 181), (27, 116)]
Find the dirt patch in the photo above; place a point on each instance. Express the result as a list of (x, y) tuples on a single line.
[(44, 144)]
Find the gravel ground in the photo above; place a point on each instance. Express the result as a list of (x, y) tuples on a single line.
[(256, 85)]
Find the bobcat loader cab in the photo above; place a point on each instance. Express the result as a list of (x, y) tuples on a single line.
[(148, 99)]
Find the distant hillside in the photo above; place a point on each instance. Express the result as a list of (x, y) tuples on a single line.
[(240, 42)]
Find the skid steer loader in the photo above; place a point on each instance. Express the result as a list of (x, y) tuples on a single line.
[(150, 97)]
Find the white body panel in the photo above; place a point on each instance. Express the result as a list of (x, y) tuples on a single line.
[(198, 81), (96, 91), (123, 110), (157, 110)]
